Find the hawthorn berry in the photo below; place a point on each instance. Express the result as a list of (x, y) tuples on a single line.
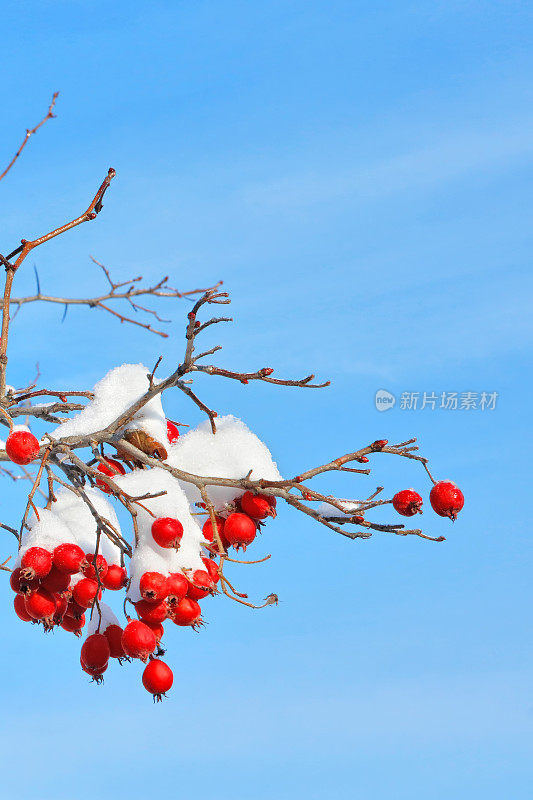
[(89, 569), (84, 592), (212, 568), (177, 586), (35, 563), (22, 447), (153, 586), (68, 558), (113, 634), (20, 608), (153, 612), (73, 624), (61, 608), (157, 628), (111, 468), (207, 531), (187, 612), (75, 610), (115, 578), (40, 604), (173, 433), (200, 585), (138, 640), (407, 502), (95, 651), (96, 674), (14, 580), (257, 506), (446, 499), (157, 678), (239, 530), (56, 581), (167, 532), (22, 585)]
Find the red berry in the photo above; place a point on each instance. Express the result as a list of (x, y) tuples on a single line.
[(40, 605), (14, 579), (167, 532), (407, 502), (212, 568), (61, 608), (172, 432), (153, 612), (157, 628), (75, 610), (138, 640), (22, 447), (56, 581), (22, 585), (257, 506), (73, 624), (177, 586), (96, 674), (35, 563), (157, 678), (200, 585), (89, 569), (113, 634), (84, 592), (111, 468), (115, 578), (153, 586), (446, 499), (20, 608), (187, 612), (68, 558), (207, 530), (239, 530), (95, 652)]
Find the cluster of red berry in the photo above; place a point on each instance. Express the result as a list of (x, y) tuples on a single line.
[(44, 593), (239, 528), (176, 597), (43, 586), (445, 497), (56, 588)]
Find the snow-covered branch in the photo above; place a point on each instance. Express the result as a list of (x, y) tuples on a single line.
[(191, 498)]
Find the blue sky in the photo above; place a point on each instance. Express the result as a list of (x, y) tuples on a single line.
[(358, 174)]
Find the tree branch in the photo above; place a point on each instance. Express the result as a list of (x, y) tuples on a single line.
[(94, 208), (30, 132)]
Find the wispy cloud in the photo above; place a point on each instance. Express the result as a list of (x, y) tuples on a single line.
[(428, 167)]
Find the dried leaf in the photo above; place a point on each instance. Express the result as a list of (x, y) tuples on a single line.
[(146, 443)]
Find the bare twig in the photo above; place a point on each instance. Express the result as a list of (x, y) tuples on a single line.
[(29, 132), (94, 208)]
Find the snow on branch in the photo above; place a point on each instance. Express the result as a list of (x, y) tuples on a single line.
[(191, 498)]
